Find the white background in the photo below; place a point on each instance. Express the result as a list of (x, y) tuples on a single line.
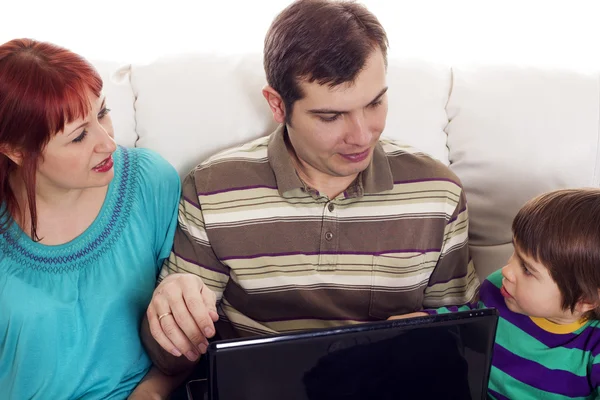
[(562, 33)]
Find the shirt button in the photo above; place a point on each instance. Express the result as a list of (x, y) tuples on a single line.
[(330, 207), (329, 236)]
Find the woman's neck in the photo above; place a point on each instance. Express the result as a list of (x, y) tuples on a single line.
[(62, 214)]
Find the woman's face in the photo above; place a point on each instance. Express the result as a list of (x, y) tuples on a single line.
[(80, 156)]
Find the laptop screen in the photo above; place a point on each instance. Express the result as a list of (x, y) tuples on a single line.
[(444, 356)]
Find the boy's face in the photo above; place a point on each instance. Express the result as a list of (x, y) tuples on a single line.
[(529, 289)]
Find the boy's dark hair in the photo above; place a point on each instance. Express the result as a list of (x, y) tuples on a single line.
[(561, 230), (319, 40)]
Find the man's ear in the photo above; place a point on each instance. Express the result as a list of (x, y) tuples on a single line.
[(275, 104), (14, 155)]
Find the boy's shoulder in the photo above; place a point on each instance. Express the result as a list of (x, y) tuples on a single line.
[(592, 329), (495, 278)]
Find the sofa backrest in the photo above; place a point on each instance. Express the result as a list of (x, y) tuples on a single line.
[(508, 132)]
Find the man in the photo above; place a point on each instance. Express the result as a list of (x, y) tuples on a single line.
[(321, 223)]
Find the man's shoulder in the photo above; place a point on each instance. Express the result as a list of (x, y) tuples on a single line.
[(408, 163), (251, 152), (239, 166)]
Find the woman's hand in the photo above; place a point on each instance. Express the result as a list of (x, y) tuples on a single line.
[(181, 315)]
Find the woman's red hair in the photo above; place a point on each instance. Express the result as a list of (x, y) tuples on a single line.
[(42, 88)]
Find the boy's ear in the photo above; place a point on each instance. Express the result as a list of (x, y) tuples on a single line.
[(584, 306)]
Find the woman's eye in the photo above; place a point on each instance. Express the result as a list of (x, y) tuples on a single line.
[(103, 112), (80, 137)]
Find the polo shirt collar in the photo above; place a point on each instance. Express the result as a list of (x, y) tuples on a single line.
[(376, 178)]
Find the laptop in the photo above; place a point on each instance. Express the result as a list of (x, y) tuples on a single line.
[(440, 356)]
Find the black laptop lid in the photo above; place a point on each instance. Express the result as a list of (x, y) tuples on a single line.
[(443, 356)]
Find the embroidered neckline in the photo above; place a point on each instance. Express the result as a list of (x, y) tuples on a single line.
[(97, 238)]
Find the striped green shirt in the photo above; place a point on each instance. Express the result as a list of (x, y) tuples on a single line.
[(536, 359), (282, 257)]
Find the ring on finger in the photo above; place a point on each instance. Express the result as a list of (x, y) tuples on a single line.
[(164, 315)]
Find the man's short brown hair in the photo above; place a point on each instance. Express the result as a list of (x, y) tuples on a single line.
[(561, 230), (319, 40)]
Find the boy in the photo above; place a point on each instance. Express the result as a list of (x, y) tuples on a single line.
[(548, 338)]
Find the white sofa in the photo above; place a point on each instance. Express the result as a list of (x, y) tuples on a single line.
[(509, 132)]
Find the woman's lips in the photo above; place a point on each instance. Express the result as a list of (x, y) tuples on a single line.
[(105, 165)]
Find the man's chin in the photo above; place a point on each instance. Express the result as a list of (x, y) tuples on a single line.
[(340, 173)]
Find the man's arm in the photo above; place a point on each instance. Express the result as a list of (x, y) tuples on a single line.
[(454, 280), (181, 315)]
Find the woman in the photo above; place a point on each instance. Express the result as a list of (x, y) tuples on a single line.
[(84, 227)]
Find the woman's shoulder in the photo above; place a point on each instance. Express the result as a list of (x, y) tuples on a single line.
[(149, 160), (149, 167)]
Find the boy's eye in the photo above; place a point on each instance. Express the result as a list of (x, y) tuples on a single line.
[(525, 270), (80, 137)]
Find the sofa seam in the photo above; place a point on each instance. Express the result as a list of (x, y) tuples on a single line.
[(450, 90), (135, 99)]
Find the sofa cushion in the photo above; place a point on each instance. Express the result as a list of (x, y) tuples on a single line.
[(514, 133), (120, 99), (190, 107), (418, 93)]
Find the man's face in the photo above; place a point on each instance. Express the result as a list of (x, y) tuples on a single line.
[(333, 130)]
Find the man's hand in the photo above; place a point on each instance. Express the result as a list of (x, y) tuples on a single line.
[(181, 315), (410, 315)]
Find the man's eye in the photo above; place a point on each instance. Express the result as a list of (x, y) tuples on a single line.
[(329, 119)]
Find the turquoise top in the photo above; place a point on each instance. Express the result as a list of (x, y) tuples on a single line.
[(70, 314)]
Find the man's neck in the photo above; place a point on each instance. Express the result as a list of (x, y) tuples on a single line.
[(331, 186)]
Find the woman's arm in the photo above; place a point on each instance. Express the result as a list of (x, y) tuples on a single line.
[(156, 385)]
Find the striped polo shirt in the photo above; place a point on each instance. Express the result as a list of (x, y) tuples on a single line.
[(535, 358), (283, 257)]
